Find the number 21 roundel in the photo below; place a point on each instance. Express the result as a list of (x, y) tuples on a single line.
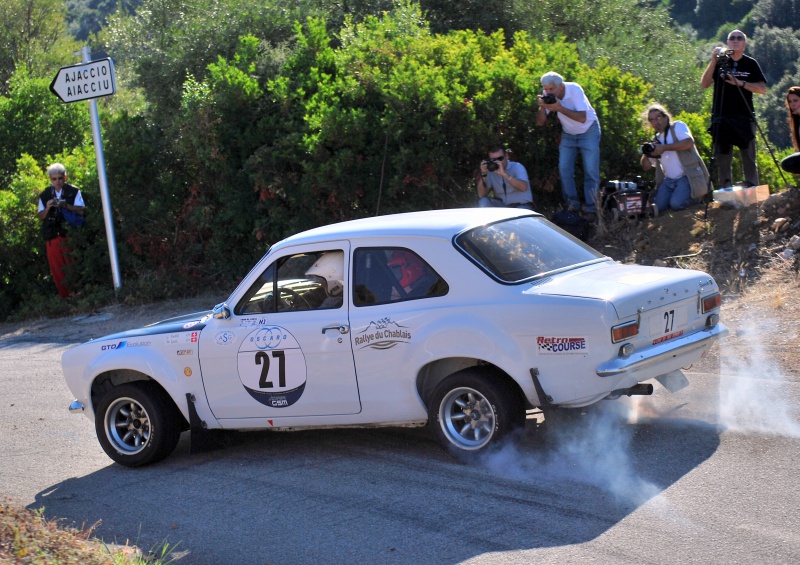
[(272, 367)]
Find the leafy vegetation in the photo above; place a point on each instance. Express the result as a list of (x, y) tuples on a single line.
[(237, 123)]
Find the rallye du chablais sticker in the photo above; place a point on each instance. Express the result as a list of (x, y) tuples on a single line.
[(561, 345)]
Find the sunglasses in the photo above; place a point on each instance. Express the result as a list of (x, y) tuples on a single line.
[(56, 178), (736, 38)]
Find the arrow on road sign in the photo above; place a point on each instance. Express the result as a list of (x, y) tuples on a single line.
[(85, 81)]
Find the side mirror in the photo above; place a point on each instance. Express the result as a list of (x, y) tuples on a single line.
[(221, 311)]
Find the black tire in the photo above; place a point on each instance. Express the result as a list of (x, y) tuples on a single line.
[(473, 410), (137, 424)]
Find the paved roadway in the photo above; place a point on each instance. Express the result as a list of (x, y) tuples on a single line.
[(707, 475)]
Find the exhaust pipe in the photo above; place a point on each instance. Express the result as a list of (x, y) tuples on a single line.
[(640, 389)]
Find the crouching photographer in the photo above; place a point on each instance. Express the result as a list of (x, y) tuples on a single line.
[(507, 180), (681, 174)]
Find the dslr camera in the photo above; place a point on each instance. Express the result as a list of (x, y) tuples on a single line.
[(491, 164), (549, 98), (725, 62), (59, 202), (648, 147)]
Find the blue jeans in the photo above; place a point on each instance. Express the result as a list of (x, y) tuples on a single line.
[(487, 202), (674, 193), (588, 143)]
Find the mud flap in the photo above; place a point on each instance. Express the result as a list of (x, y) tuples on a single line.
[(673, 381), (203, 440)]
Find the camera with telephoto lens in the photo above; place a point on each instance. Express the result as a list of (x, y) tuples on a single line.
[(648, 147), (725, 62), (549, 98), (491, 164)]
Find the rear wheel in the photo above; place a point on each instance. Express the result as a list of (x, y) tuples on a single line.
[(474, 409), (137, 424)]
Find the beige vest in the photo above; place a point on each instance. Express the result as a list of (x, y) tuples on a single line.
[(695, 169)]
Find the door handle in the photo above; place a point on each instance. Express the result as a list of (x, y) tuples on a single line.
[(342, 329)]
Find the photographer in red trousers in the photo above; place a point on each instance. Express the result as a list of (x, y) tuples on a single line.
[(60, 205)]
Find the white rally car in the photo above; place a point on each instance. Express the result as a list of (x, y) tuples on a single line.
[(463, 319)]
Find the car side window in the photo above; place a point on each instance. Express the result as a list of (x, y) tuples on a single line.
[(387, 275), (305, 281)]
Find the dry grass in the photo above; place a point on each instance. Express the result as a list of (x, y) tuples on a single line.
[(776, 289), (27, 537)]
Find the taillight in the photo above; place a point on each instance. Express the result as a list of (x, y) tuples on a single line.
[(712, 301), (624, 331)]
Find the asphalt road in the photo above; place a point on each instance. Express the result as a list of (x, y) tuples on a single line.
[(706, 475)]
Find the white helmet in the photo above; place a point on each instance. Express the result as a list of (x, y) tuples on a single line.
[(331, 268)]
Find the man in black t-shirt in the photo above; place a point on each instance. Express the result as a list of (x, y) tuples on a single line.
[(735, 77)]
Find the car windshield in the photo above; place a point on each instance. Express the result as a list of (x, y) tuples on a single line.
[(524, 248)]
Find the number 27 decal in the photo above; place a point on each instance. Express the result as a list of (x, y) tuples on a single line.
[(669, 320), (262, 358)]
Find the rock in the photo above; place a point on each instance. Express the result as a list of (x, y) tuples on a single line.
[(659, 263), (787, 253), (779, 223), (769, 237), (794, 242)]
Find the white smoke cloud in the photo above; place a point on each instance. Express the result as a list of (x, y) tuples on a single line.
[(593, 450), (753, 387)]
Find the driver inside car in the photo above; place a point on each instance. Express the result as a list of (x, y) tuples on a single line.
[(329, 271)]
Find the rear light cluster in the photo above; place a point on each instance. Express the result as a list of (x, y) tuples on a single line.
[(624, 331), (711, 302)]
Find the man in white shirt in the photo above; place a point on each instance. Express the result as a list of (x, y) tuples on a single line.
[(674, 189), (580, 132), (54, 201)]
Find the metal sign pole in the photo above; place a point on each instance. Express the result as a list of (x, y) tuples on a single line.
[(101, 175)]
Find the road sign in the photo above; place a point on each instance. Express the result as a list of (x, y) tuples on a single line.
[(85, 81)]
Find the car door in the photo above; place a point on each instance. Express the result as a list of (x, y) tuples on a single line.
[(285, 351)]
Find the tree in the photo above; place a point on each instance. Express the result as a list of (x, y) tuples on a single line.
[(777, 13), (32, 38), (34, 121), (640, 40)]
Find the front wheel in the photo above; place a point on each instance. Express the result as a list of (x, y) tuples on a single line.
[(137, 424), (474, 409)]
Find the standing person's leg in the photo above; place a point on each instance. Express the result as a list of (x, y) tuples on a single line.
[(589, 143), (724, 157), (748, 156), (58, 258), (567, 152)]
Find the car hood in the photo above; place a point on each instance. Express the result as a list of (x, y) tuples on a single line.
[(628, 287), (187, 322)]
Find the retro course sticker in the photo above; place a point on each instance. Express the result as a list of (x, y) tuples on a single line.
[(561, 345)]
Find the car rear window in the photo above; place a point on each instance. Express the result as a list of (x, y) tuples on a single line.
[(520, 249)]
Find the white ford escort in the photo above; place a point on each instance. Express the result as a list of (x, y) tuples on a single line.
[(463, 319)]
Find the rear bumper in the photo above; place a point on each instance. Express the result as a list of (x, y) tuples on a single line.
[(680, 349)]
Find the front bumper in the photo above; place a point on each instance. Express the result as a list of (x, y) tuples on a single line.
[(680, 349)]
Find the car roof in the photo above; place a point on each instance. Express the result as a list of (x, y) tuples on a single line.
[(432, 224)]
